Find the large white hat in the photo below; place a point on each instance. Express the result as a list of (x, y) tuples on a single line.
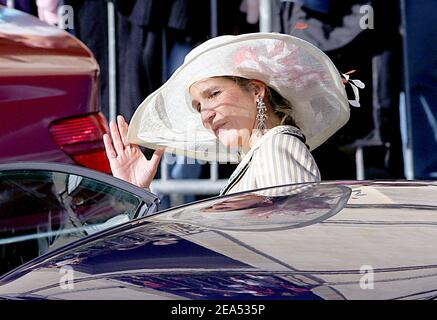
[(296, 69)]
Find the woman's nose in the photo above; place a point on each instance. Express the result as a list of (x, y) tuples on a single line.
[(208, 117)]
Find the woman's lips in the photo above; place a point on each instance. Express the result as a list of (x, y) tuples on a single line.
[(218, 127)]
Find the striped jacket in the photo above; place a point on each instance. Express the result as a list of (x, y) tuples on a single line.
[(279, 157)]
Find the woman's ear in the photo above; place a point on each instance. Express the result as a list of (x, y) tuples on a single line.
[(257, 88)]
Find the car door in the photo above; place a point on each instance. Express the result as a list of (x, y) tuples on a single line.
[(44, 206)]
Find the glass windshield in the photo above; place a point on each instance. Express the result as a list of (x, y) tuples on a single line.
[(43, 210)]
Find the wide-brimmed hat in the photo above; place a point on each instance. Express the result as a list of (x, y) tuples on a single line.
[(296, 69)]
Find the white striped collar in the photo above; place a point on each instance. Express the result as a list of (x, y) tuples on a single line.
[(248, 156)]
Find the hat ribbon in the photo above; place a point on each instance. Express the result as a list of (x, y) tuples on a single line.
[(355, 85)]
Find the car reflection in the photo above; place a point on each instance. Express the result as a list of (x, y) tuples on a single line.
[(256, 211)]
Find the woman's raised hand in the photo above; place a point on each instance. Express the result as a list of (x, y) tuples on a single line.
[(126, 160)]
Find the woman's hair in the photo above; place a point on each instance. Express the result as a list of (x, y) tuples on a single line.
[(280, 106)]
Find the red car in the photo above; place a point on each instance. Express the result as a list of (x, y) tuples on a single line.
[(49, 106)]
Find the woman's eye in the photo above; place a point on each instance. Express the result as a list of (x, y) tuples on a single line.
[(215, 93)]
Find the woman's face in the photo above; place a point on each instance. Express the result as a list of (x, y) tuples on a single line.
[(227, 110)]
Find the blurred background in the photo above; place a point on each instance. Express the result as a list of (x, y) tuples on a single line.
[(388, 44)]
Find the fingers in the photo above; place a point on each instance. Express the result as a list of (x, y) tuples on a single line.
[(123, 128), (110, 152), (154, 161), (116, 138)]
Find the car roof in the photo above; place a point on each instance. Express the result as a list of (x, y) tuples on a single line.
[(386, 229)]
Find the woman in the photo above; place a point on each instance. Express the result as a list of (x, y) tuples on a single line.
[(263, 100)]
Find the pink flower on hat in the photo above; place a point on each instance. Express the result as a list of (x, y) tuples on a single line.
[(280, 62)]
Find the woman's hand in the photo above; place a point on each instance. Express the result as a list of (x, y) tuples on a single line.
[(126, 160)]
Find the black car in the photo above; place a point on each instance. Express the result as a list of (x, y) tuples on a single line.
[(96, 237)]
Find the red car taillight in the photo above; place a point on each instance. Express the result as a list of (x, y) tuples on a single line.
[(82, 139)]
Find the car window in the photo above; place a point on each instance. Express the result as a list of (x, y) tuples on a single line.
[(43, 210)]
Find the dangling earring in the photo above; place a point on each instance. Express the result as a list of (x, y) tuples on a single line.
[(261, 116), (239, 155)]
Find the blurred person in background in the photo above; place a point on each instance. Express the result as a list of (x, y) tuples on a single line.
[(46, 10), (361, 35)]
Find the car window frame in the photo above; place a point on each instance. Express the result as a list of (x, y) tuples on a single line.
[(146, 196), (149, 201)]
